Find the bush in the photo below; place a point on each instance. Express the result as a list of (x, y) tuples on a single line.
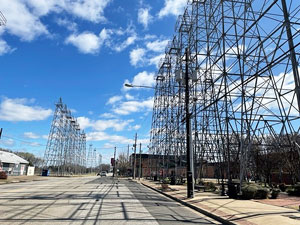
[(261, 193), (248, 191), (275, 192), (251, 191), (294, 190), (282, 187), (3, 175), (166, 181), (210, 186)]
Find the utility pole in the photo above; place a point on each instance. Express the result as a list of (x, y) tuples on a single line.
[(134, 163), (140, 167), (1, 132), (189, 147), (128, 154), (114, 169)]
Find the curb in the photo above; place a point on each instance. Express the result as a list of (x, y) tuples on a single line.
[(206, 213)]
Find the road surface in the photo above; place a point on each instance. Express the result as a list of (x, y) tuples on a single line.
[(90, 200)]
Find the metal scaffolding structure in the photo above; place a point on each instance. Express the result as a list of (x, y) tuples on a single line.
[(242, 59), (66, 147)]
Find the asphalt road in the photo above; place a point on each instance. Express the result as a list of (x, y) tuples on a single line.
[(90, 200)]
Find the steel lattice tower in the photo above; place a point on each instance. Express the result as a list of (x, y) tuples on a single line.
[(243, 82), (66, 145)]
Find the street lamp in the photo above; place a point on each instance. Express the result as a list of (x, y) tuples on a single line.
[(137, 86)]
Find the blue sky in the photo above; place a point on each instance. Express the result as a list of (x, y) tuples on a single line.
[(83, 51)]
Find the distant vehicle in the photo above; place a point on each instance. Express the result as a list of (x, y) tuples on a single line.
[(103, 174)]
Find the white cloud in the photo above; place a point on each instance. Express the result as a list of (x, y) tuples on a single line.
[(137, 55), (5, 48), (135, 127), (157, 45), (172, 7), (91, 10), (21, 22), (18, 110), (115, 124), (144, 17), (102, 136), (71, 26), (156, 60), (144, 78), (102, 125), (129, 97), (84, 122), (7, 142), (43, 7), (31, 135), (45, 136), (126, 108), (114, 99), (129, 41), (88, 43), (141, 79), (107, 115)]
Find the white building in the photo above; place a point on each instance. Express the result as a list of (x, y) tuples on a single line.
[(12, 164)]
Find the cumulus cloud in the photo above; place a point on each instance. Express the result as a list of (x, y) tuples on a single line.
[(114, 99), (5, 48), (19, 110), (137, 55), (157, 45), (102, 136), (91, 10), (172, 7), (31, 135), (71, 26), (87, 42), (144, 17), (150, 55), (24, 17), (128, 107), (102, 125), (7, 142), (107, 115), (21, 22), (141, 79)]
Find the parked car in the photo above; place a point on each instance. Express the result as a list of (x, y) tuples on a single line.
[(103, 174)]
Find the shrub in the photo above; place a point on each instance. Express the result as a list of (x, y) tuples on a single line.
[(211, 186), (3, 175), (166, 181), (250, 191), (282, 187), (261, 193), (294, 190), (275, 192)]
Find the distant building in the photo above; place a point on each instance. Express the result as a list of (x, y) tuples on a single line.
[(12, 164)]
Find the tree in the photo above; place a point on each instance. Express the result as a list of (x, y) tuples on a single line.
[(31, 158), (123, 164)]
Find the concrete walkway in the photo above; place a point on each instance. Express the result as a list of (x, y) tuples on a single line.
[(232, 211)]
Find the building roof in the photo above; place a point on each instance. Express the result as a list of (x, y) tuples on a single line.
[(8, 157)]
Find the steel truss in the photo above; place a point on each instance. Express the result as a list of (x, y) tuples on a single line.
[(244, 88), (66, 147)]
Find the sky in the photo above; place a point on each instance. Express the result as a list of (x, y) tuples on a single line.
[(83, 51)]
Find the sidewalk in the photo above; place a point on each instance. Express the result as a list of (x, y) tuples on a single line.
[(231, 211)]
